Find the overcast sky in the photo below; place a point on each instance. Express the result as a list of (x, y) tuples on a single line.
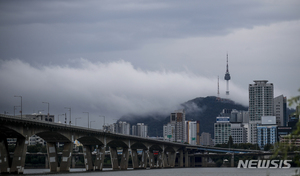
[(111, 58)]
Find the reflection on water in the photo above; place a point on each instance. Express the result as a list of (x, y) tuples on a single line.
[(173, 172)]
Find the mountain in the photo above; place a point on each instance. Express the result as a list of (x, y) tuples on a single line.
[(203, 109)]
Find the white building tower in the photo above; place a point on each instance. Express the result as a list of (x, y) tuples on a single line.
[(261, 95)]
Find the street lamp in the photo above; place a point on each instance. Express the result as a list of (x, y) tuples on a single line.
[(21, 104), (58, 117), (48, 107), (76, 120), (88, 118), (70, 115), (91, 123), (15, 110), (103, 122)]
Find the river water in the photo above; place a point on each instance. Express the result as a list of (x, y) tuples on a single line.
[(174, 172)]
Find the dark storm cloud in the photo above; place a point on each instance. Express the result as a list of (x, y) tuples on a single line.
[(113, 89), (43, 30), (143, 56)]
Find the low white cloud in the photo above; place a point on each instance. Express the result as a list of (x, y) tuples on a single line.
[(111, 89)]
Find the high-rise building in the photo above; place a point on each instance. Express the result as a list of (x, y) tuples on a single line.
[(261, 95), (245, 116), (35, 139), (222, 130), (280, 110), (121, 127), (193, 132), (133, 130), (267, 131), (205, 139), (293, 122), (238, 133), (109, 128), (235, 115), (178, 118), (225, 113), (141, 130), (177, 121), (169, 132), (283, 131)]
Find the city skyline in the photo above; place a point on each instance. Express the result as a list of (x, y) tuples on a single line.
[(138, 57)]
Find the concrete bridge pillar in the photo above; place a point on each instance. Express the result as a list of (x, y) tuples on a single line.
[(46, 162), (160, 159), (100, 155), (91, 165), (4, 157), (169, 159), (192, 158), (186, 159), (52, 156), (140, 164), (144, 159), (172, 158), (87, 153), (124, 159), (114, 158), (73, 162), (134, 158), (204, 161), (66, 157), (232, 160), (165, 159), (151, 159), (18, 161), (180, 159)]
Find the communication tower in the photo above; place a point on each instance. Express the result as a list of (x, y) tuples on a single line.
[(218, 90), (227, 77)]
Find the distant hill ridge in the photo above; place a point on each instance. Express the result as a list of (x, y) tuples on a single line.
[(204, 109)]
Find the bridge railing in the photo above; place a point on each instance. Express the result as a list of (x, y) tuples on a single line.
[(73, 127)]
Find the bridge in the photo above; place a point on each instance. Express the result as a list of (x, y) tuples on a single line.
[(154, 153)]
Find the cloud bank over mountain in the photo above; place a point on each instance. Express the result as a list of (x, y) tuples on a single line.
[(111, 89), (116, 57)]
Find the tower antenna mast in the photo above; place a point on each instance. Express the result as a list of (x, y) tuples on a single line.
[(227, 77), (218, 89)]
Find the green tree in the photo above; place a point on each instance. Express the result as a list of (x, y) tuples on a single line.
[(36, 148), (230, 142), (284, 147), (295, 101), (268, 147), (219, 163)]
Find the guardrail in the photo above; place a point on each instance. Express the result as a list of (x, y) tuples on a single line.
[(72, 127)]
